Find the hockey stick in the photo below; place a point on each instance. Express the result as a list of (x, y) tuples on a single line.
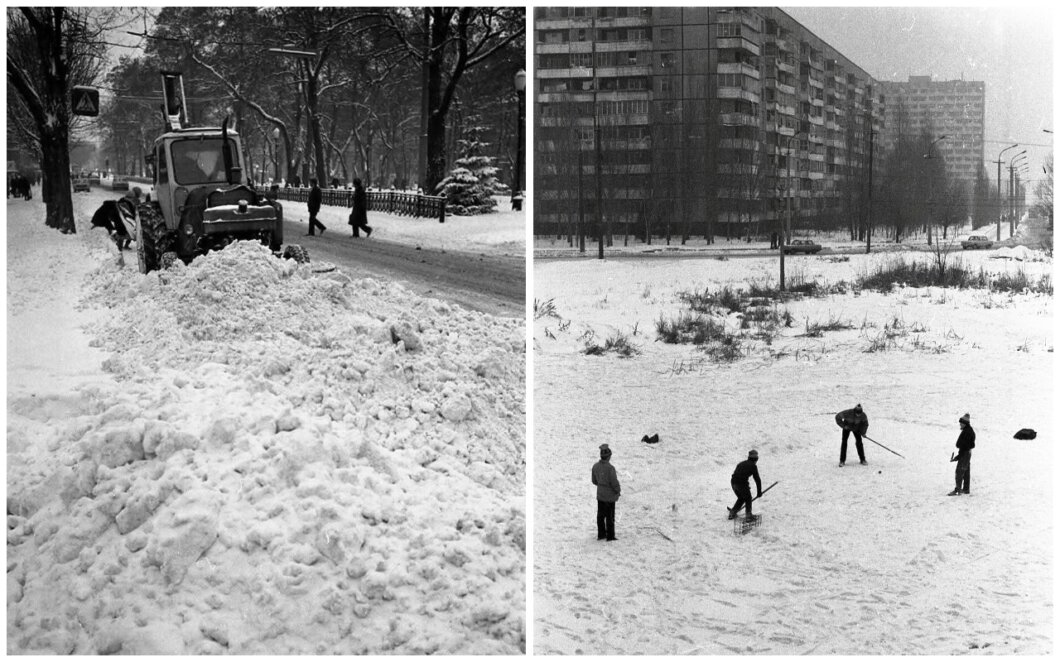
[(882, 446), (765, 490)]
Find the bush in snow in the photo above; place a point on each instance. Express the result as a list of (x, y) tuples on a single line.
[(470, 187)]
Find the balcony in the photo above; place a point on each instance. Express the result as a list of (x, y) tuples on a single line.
[(737, 93), (738, 68), (738, 43), (628, 45)]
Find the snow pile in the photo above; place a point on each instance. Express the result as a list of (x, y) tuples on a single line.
[(284, 462), (853, 560), (1023, 254)]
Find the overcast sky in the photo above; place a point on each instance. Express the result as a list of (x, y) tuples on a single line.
[(1008, 47)]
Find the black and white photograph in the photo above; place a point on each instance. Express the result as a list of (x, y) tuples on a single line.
[(266, 330), (793, 330)]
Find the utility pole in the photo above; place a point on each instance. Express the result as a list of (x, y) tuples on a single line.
[(596, 147)]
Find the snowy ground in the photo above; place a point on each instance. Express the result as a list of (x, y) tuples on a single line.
[(852, 560), (245, 456)]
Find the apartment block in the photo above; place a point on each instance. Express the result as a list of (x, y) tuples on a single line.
[(953, 108), (697, 120)]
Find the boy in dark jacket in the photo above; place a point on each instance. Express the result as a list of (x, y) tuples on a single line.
[(965, 444), (607, 492), (741, 476), (852, 420)]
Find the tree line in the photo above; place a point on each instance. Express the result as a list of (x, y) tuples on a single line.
[(382, 94)]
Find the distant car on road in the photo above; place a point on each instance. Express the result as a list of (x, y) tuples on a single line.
[(119, 183), (802, 246), (977, 241), (81, 184)]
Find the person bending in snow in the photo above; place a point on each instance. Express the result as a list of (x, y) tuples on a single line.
[(852, 420), (607, 492), (965, 444), (741, 485)]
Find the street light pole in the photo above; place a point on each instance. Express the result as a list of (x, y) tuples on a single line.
[(868, 235), (520, 92), (999, 207), (1011, 191), (931, 185), (787, 221)]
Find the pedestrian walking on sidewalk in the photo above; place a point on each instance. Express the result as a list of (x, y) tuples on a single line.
[(965, 444), (741, 484), (359, 214), (852, 420), (607, 493), (315, 198)]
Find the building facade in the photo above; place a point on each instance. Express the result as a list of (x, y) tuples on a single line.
[(699, 120), (953, 108)]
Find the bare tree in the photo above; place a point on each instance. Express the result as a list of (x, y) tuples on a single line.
[(49, 50)]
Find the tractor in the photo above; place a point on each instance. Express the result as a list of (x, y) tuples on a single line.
[(202, 202)]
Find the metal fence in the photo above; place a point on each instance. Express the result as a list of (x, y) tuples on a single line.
[(391, 202)]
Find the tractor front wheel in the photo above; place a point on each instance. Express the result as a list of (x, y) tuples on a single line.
[(151, 237)]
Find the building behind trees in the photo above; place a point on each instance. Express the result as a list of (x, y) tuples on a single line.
[(704, 121)]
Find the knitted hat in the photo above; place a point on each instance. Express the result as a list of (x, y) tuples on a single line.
[(605, 452), (753, 455), (967, 418), (857, 408)]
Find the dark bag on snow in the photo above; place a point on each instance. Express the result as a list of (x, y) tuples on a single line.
[(1025, 433)]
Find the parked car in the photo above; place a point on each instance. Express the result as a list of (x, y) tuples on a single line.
[(977, 241), (802, 246), (119, 183), (81, 184)]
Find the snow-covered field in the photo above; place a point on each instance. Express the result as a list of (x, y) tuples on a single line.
[(853, 560), (247, 456)]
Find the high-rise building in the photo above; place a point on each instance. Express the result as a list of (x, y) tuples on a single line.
[(699, 120), (952, 108)]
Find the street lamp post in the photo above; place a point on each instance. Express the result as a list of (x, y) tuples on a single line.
[(785, 226), (931, 184), (999, 207), (517, 189), (1011, 191)]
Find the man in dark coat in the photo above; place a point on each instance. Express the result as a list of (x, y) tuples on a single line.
[(359, 215), (852, 420), (741, 484), (315, 197), (607, 492), (965, 444)]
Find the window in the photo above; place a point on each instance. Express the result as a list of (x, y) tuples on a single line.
[(198, 161), (728, 30), (666, 35), (667, 60), (161, 166), (632, 58), (581, 59)]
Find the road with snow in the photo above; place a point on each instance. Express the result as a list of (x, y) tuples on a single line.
[(488, 281)]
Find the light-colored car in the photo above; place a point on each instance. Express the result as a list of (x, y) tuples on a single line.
[(119, 183), (977, 241), (81, 184), (802, 246)]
